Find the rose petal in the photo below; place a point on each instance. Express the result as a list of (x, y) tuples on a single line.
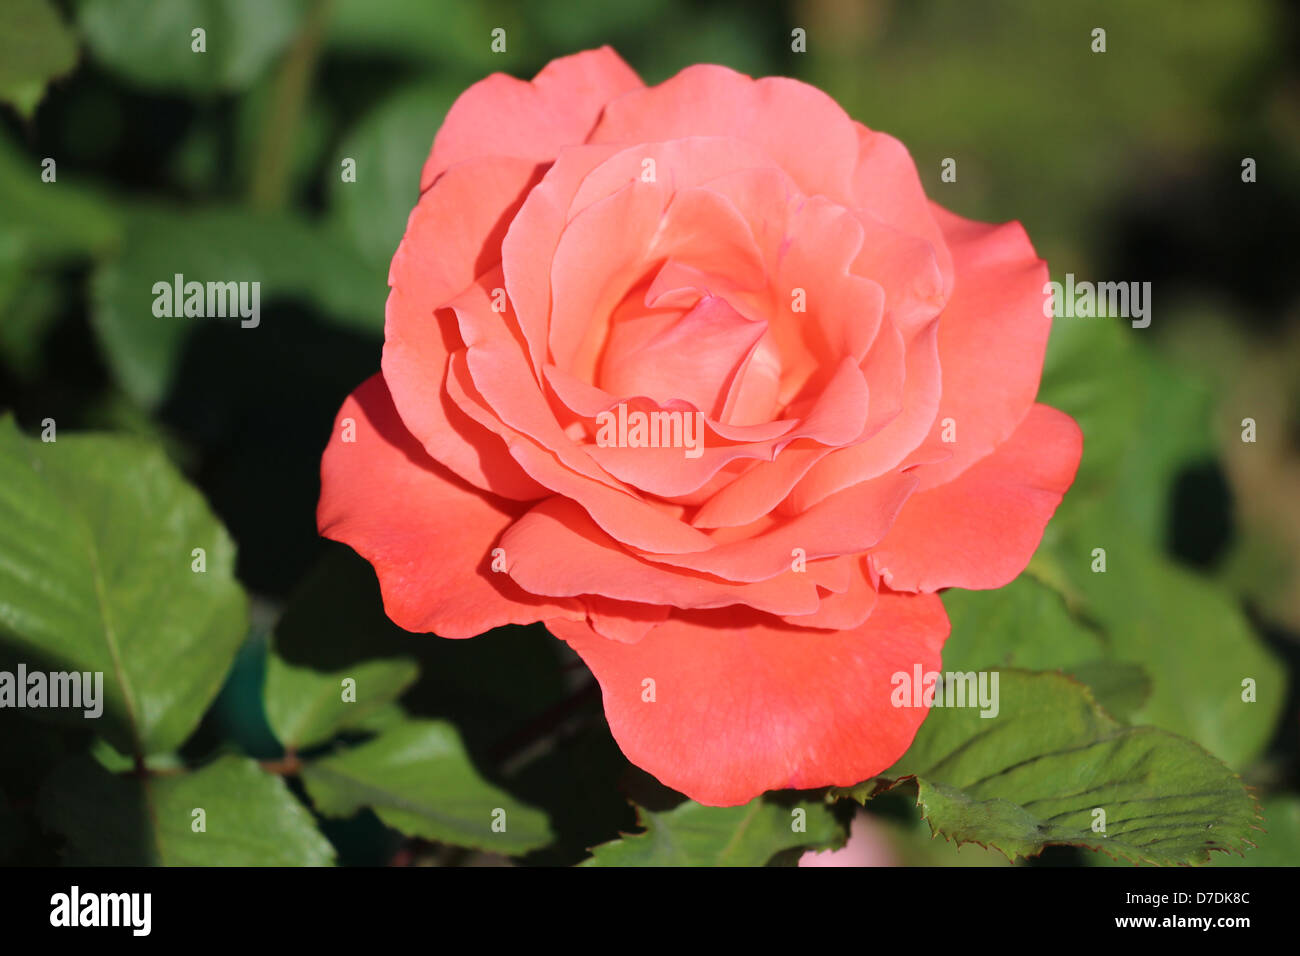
[(504, 116), (742, 705), (845, 610), (557, 549), (428, 535), (886, 184), (800, 127), (992, 339), (981, 529), (453, 235), (847, 522)]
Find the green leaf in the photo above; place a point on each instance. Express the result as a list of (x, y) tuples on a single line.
[(1189, 635), (1120, 687), (250, 818), (98, 534), (423, 31), (695, 835), (151, 44), (418, 780), (35, 48), (1026, 625), (49, 222), (1279, 844), (289, 258), (306, 707), (488, 687), (1035, 775), (1143, 421), (389, 147)]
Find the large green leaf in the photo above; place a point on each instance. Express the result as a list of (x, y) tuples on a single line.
[(1026, 625), (249, 818), (151, 44), (418, 780), (288, 257), (1142, 422), (307, 707), (1188, 634), (1035, 775), (695, 835), (35, 47), (97, 534)]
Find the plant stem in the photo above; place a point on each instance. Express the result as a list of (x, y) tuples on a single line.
[(268, 189)]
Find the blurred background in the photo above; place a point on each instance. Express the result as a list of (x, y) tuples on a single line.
[(1123, 166)]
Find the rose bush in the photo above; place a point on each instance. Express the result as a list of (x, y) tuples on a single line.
[(864, 365)]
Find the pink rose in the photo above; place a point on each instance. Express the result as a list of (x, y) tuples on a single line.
[(696, 375)]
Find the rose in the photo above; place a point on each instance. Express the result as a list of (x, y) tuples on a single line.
[(864, 365)]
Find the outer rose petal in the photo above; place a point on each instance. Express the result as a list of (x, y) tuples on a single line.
[(992, 338), (886, 185), (452, 236), (980, 530), (804, 130), (383, 496), (743, 705), (504, 116)]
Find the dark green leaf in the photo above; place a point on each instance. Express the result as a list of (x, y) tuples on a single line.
[(307, 707), (418, 780), (288, 257), (151, 43), (389, 147), (249, 818)]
